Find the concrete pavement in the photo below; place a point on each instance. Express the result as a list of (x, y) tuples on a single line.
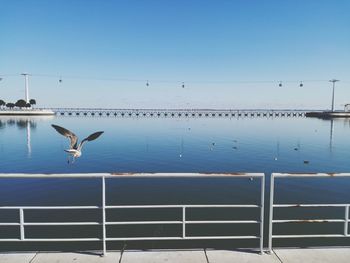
[(319, 255)]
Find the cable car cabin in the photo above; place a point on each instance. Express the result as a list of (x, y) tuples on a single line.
[(347, 107)]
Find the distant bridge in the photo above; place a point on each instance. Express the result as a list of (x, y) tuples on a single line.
[(193, 113)]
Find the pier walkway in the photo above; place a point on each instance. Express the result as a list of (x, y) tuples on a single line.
[(319, 255), (169, 113)]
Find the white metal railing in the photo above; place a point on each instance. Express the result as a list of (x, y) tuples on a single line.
[(272, 221), (103, 207)]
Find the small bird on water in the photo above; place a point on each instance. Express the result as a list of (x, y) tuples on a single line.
[(75, 148)]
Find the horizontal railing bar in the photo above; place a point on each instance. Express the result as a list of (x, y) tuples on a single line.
[(302, 236), (10, 224), (63, 239), (180, 206), (223, 222), (223, 206), (49, 207), (116, 175), (310, 205), (149, 175), (77, 175), (128, 238), (142, 238), (310, 221), (62, 223), (181, 238), (311, 175), (143, 222), (180, 222), (129, 206), (51, 239), (223, 237)]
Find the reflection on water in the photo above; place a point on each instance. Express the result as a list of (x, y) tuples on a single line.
[(23, 123), (331, 135), (20, 122), (179, 145), (29, 145)]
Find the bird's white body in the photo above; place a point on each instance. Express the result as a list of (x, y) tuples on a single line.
[(75, 153)]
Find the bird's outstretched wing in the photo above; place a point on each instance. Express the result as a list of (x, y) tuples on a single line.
[(91, 137), (67, 133)]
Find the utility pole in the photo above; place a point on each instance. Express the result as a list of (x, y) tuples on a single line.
[(26, 86), (333, 81)]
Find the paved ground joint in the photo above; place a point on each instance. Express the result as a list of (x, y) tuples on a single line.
[(277, 256), (32, 260), (206, 256)]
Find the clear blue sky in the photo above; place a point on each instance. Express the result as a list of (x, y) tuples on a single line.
[(207, 44)]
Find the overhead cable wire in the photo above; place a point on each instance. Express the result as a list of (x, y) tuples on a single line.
[(60, 77)]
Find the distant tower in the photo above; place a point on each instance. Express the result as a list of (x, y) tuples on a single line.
[(333, 81), (26, 86)]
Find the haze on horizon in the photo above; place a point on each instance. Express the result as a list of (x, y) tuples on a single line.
[(105, 51)]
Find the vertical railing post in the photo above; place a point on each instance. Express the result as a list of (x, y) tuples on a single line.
[(262, 210), (346, 223), (104, 214), (183, 221), (21, 222), (272, 186)]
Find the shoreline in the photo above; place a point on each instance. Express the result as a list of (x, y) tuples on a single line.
[(32, 112)]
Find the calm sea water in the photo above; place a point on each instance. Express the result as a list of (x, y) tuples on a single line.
[(31, 145)]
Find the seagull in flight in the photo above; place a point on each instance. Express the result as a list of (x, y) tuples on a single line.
[(75, 148)]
